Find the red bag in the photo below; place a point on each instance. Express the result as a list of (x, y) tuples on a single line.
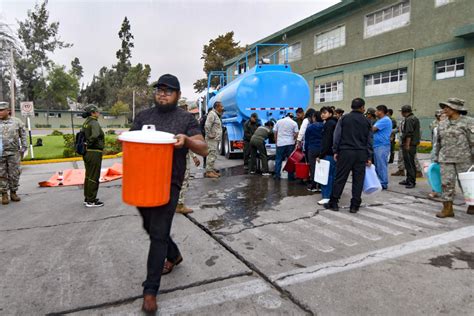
[(296, 156), (302, 170)]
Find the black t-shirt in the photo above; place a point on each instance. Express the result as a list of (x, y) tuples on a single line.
[(177, 121)]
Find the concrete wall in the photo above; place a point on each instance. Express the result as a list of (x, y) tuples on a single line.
[(106, 121)]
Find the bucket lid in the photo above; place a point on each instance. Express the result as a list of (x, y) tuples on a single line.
[(148, 135)]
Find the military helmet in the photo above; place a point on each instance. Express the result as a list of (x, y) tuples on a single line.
[(90, 108)]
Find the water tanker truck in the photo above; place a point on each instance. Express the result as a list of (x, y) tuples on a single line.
[(269, 89)]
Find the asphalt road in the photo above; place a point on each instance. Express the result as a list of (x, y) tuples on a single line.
[(253, 246)]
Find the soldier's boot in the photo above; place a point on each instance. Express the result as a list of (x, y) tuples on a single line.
[(419, 174), (14, 197), (211, 174), (5, 199), (399, 173), (470, 210), (447, 210), (183, 209)]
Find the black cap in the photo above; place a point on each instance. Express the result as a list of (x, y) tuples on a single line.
[(169, 81), (405, 109)]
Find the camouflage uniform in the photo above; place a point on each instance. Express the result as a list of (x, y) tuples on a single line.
[(185, 184), (13, 138), (213, 129), (455, 151)]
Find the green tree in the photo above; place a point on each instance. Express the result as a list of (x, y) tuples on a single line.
[(76, 68), (8, 41), (124, 54), (214, 54), (40, 38), (119, 108), (59, 86), (137, 80)]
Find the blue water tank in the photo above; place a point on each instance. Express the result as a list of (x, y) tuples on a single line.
[(269, 90)]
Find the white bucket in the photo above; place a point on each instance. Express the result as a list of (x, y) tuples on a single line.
[(467, 183)]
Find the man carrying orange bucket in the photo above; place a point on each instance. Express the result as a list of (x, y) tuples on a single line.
[(166, 116)]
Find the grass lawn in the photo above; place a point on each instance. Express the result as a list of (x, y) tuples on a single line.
[(53, 147)]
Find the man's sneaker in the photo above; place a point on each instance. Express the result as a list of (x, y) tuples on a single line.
[(95, 204), (323, 201), (332, 206), (252, 172), (266, 174)]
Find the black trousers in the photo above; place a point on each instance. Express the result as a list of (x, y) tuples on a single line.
[(247, 152), (258, 148), (157, 223), (409, 161), (312, 155), (347, 161)]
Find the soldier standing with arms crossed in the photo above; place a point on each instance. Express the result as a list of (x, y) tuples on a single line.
[(455, 151), (213, 129), (13, 138)]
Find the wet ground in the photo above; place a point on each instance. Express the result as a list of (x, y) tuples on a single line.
[(253, 246)]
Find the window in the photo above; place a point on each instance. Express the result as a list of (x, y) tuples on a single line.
[(387, 82), (330, 40), (439, 3), (329, 92), (387, 19), (294, 53), (449, 68)]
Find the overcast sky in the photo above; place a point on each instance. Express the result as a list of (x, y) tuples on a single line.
[(169, 35)]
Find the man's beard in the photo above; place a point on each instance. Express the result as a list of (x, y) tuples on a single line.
[(164, 108)]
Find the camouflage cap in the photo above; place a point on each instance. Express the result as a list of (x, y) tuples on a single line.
[(4, 105), (455, 104), (370, 111), (91, 108)]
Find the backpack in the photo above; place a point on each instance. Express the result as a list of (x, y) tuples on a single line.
[(80, 145)]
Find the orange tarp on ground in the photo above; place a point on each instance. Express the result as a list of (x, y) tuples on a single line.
[(76, 176)]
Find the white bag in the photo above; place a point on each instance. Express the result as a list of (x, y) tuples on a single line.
[(321, 171)]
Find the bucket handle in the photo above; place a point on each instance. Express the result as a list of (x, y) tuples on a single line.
[(148, 128), (470, 168)]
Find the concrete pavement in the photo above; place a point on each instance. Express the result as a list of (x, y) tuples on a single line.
[(253, 246)]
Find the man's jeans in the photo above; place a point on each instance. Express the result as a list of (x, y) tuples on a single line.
[(326, 190), (381, 155), (282, 153), (157, 223)]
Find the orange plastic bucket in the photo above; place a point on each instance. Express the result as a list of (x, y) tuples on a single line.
[(147, 166)]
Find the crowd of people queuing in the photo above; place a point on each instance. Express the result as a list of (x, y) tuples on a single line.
[(358, 139)]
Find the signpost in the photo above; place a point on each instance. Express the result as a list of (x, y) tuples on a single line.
[(28, 110)]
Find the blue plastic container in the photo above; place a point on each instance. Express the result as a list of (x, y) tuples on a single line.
[(434, 177), (371, 181)]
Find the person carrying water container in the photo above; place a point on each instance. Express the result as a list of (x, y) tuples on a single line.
[(166, 116), (95, 141), (455, 151)]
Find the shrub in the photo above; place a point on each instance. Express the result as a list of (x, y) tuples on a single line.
[(112, 146), (56, 133), (68, 153), (62, 126), (111, 132), (114, 126), (43, 125)]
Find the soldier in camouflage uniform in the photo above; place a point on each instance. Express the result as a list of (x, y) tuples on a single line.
[(213, 129), (181, 208), (13, 146), (455, 150)]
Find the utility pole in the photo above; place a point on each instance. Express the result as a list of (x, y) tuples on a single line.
[(133, 106), (12, 83)]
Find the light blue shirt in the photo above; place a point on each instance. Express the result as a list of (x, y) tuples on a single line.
[(384, 130)]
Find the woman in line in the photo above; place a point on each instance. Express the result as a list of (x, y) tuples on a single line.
[(330, 122), (313, 137)]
